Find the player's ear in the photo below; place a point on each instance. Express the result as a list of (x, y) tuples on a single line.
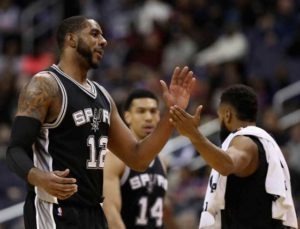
[(127, 117), (71, 39), (228, 115)]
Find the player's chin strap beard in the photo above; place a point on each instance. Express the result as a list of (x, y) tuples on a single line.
[(224, 132)]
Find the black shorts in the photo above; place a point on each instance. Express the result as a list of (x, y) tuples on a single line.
[(39, 214)]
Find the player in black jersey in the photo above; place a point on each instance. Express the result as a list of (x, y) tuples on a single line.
[(65, 123), (249, 187), (135, 199)]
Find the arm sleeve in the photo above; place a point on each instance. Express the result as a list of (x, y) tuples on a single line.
[(19, 152)]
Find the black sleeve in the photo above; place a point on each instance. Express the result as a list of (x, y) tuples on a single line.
[(19, 153)]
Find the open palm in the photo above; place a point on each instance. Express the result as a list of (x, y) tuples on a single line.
[(185, 123), (179, 90)]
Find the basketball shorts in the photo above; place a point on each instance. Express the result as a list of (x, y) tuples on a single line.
[(39, 214)]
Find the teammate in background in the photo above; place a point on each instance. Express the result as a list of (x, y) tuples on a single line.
[(249, 186), (64, 125), (135, 199)]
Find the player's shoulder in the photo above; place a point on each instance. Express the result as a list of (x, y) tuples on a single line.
[(245, 143), (44, 80), (43, 75)]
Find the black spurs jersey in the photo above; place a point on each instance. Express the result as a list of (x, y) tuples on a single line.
[(77, 139), (142, 196)]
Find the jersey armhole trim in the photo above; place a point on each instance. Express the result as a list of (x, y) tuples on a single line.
[(162, 164), (63, 104), (125, 175)]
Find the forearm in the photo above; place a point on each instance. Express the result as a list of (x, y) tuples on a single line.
[(19, 161), (19, 153), (114, 218), (213, 155), (149, 147), (35, 176)]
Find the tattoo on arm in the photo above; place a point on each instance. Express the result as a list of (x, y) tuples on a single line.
[(36, 97)]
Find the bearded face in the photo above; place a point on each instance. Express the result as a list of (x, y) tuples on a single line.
[(224, 131), (84, 50)]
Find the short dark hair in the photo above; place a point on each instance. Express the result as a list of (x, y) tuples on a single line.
[(244, 101), (138, 94), (69, 25)]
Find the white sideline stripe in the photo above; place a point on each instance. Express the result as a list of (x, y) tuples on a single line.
[(11, 212)]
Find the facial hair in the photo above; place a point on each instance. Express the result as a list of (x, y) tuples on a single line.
[(84, 50), (224, 132)]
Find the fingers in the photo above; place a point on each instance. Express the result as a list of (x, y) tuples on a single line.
[(60, 177), (63, 197), (179, 111), (175, 75), (164, 86), (198, 111), (182, 76), (173, 122), (66, 187), (187, 78), (179, 119), (61, 180), (63, 194), (62, 173), (189, 85), (180, 115), (184, 73), (62, 191), (63, 187), (177, 114)]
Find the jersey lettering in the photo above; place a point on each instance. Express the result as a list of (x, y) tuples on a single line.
[(212, 184), (144, 180), (89, 115)]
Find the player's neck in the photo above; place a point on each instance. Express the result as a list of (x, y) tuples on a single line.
[(73, 70)]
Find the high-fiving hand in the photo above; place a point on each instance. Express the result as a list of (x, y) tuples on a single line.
[(180, 88), (185, 123)]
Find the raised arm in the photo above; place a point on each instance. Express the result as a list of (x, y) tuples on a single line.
[(241, 158), (113, 170), (138, 155), (38, 103)]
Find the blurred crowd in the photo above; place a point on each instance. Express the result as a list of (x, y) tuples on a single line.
[(254, 42)]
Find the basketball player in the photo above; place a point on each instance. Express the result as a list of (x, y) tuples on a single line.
[(135, 199), (249, 186), (65, 123)]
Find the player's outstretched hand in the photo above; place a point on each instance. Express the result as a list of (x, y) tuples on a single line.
[(180, 88), (185, 123)]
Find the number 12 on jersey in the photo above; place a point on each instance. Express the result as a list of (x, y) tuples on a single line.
[(94, 162)]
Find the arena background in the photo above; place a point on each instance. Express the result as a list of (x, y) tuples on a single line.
[(254, 42)]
